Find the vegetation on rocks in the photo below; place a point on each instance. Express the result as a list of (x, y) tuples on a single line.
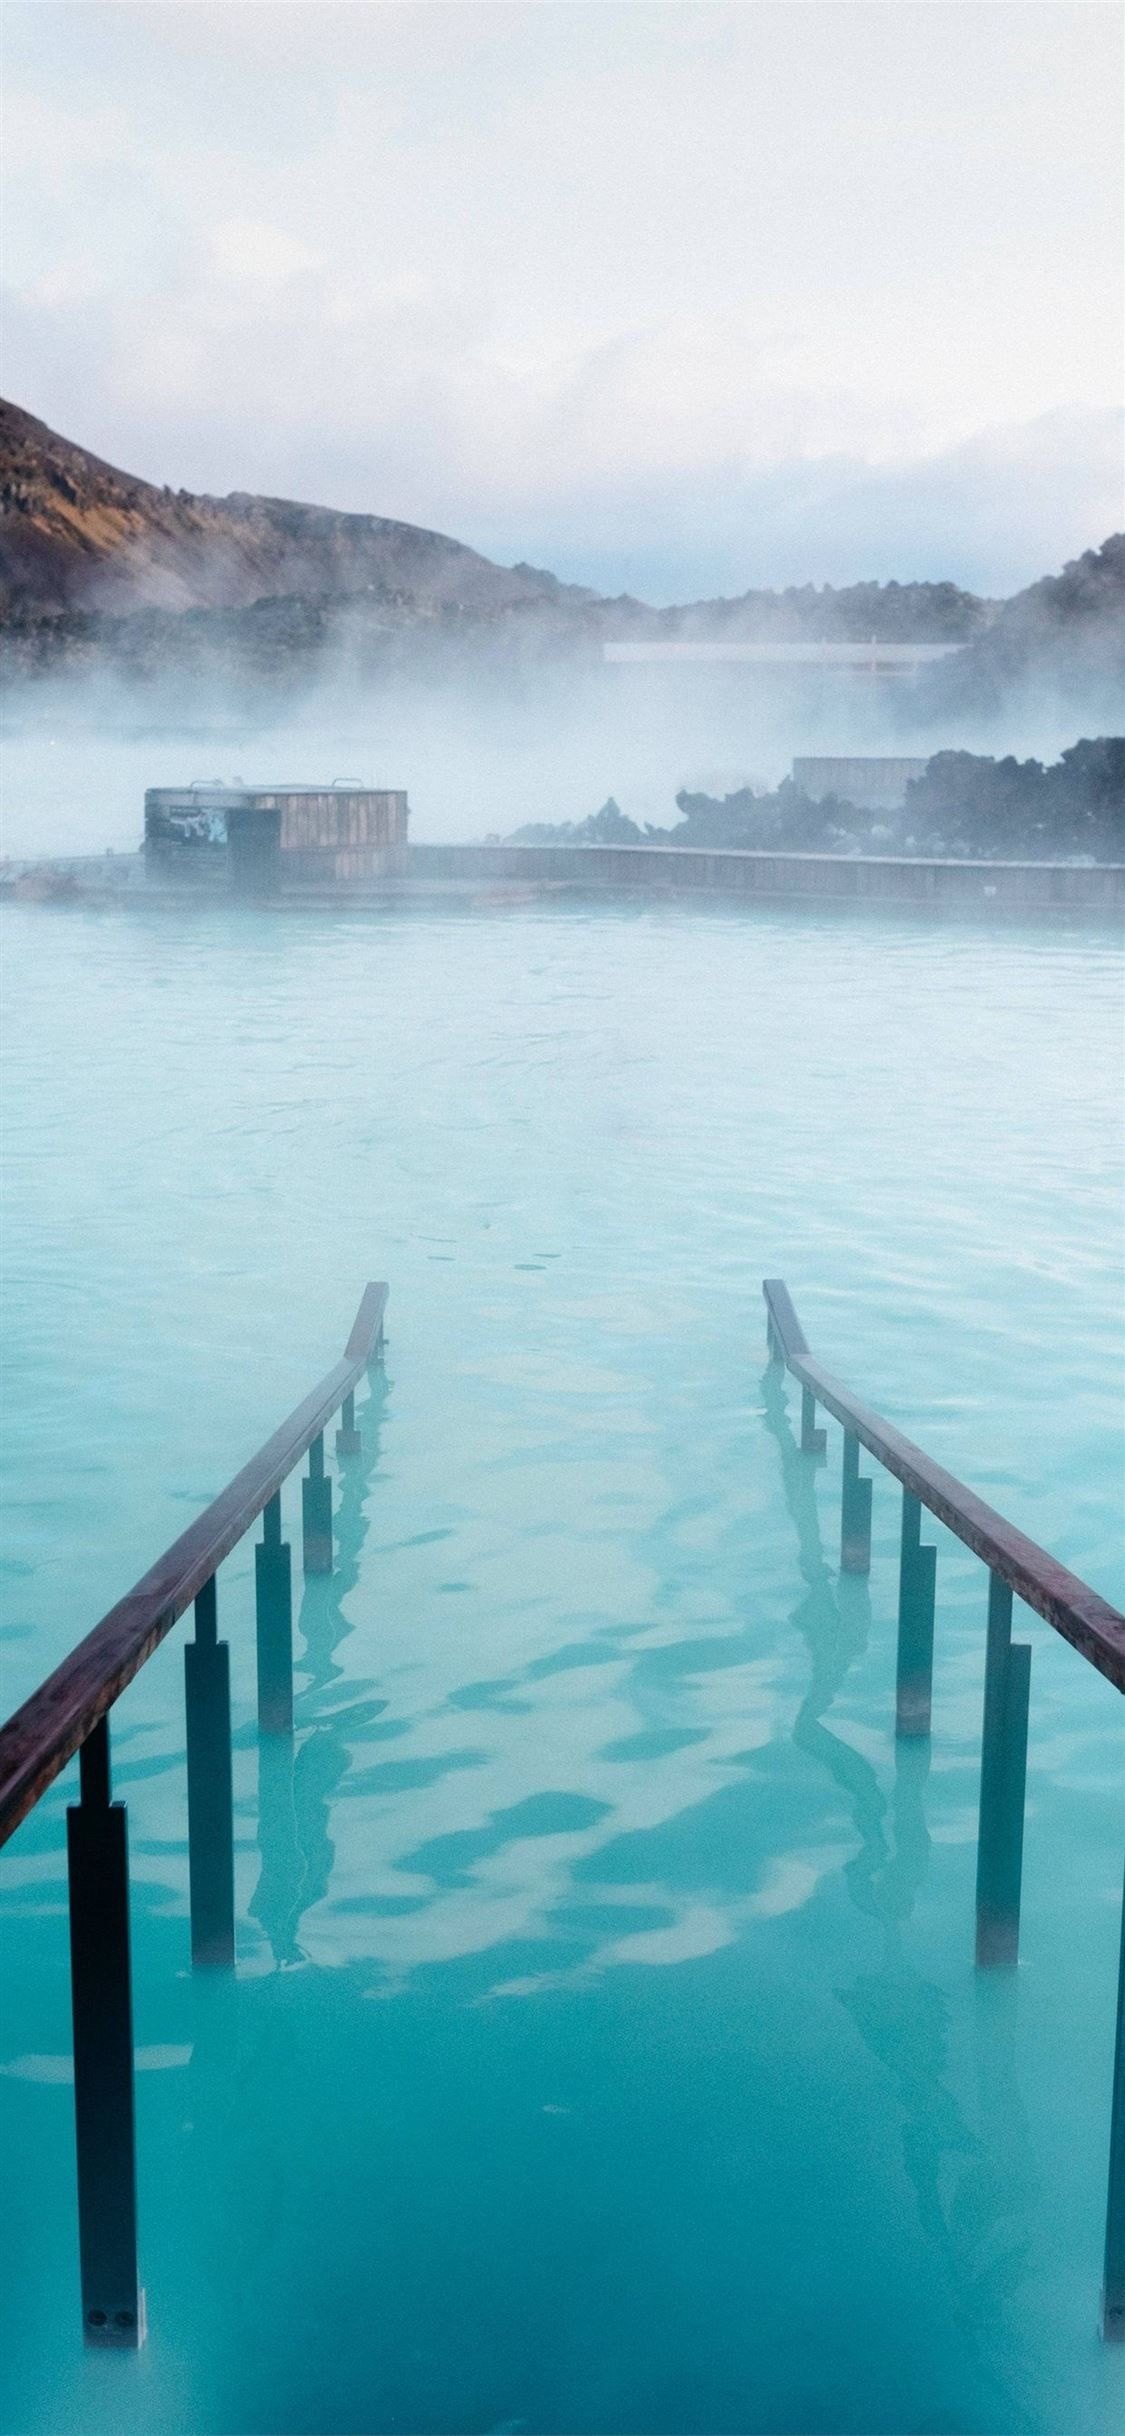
[(964, 804)]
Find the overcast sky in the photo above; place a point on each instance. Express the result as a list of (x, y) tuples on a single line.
[(674, 299)]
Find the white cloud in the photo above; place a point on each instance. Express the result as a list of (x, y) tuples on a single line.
[(46, 138), (645, 288), (253, 254)]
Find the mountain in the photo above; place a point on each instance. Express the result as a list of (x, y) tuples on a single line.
[(76, 533), (79, 537), (103, 573)]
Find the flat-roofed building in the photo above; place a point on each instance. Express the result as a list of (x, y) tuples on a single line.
[(877, 782), (276, 837)]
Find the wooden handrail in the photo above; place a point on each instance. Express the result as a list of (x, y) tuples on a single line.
[(44, 1734), (1082, 1617)]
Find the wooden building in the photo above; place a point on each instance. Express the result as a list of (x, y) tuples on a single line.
[(259, 840)]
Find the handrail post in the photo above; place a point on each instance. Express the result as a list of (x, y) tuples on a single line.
[(855, 1512), (273, 1590), (348, 1440), (917, 1579), (316, 1512), (813, 1440), (1113, 2289), (1003, 1781), (210, 1788), (101, 1993)]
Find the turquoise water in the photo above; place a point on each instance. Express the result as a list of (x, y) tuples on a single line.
[(605, 2051)]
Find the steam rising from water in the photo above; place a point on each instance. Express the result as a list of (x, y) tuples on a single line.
[(481, 752)]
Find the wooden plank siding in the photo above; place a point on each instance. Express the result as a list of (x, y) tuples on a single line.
[(326, 823)]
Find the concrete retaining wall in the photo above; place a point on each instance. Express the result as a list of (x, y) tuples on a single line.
[(846, 879), (1091, 891)]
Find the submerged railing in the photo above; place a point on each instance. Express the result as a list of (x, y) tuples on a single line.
[(1017, 1567), (70, 1712)]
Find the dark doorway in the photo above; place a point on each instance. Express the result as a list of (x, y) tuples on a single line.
[(254, 843)]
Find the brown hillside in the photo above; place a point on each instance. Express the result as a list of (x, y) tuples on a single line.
[(77, 533), (100, 571)]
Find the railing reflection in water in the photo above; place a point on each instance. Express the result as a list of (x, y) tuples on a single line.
[(901, 2015), (1016, 1566), (296, 1784)]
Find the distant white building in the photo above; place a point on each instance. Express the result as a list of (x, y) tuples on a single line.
[(875, 781), (870, 659)]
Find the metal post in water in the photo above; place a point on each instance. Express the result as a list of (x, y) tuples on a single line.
[(1003, 1782), (316, 1512), (348, 1441), (917, 1581), (1113, 2290), (855, 1513), (113, 2308), (273, 1585), (813, 1440), (210, 1789)]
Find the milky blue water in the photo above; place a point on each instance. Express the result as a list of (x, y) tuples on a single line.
[(605, 2050)]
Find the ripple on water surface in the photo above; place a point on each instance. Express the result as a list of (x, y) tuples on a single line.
[(605, 2050)]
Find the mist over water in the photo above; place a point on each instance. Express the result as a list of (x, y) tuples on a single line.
[(479, 750)]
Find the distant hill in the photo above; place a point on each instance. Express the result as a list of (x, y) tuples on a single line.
[(850, 613), (102, 573), (1064, 635), (76, 533)]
